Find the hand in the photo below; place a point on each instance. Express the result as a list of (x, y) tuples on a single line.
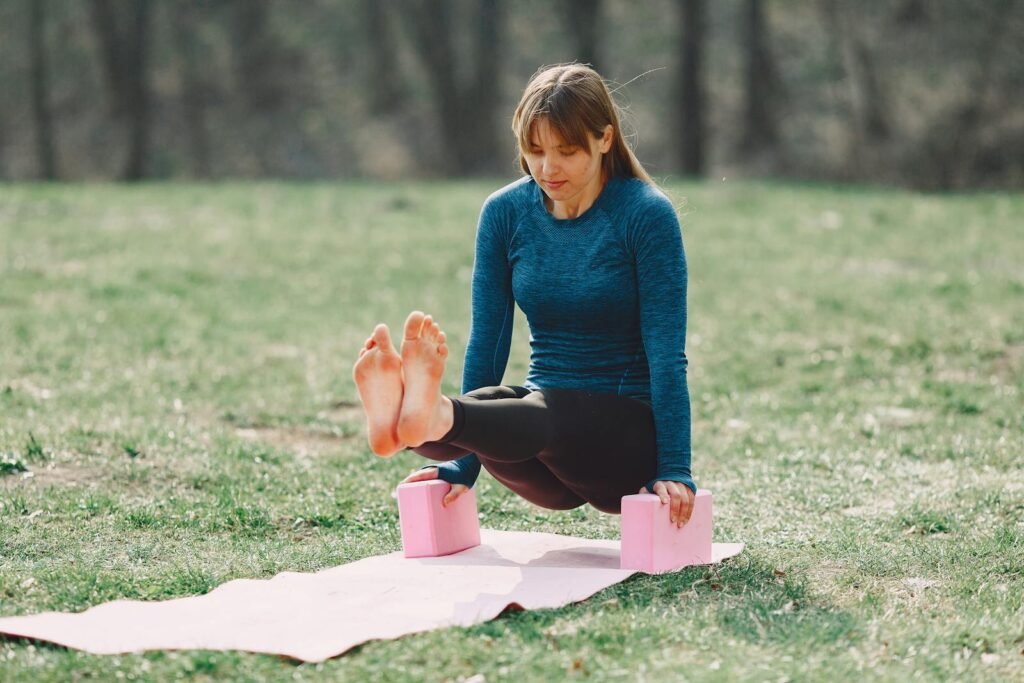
[(431, 473), (680, 496)]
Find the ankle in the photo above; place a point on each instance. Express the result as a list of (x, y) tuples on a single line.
[(447, 416)]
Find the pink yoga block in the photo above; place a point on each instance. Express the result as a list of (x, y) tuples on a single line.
[(653, 544), (428, 529)]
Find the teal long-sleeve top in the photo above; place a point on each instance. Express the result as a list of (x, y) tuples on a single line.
[(605, 298)]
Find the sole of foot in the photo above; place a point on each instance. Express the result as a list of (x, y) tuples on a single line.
[(378, 377), (424, 353)]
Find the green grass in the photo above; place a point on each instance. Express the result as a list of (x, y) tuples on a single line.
[(177, 411)]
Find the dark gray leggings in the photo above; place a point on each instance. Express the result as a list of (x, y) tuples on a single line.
[(557, 448)]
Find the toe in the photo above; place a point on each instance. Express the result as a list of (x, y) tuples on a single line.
[(382, 337), (441, 338), (414, 325)]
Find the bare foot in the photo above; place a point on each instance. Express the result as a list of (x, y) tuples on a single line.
[(426, 414), (378, 376)]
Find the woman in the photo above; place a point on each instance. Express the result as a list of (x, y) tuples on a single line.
[(591, 250)]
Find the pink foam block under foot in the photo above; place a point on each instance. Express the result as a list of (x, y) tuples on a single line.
[(428, 529), (653, 544)]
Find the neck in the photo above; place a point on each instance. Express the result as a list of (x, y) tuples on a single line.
[(574, 207)]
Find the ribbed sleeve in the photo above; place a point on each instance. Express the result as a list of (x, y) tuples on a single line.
[(492, 317), (661, 276)]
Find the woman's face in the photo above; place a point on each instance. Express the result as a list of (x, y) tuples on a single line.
[(566, 173)]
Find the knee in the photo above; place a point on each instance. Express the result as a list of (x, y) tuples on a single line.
[(490, 393)]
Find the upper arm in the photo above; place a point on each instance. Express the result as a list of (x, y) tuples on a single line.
[(492, 301)]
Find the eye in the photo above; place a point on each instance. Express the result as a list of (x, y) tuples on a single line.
[(570, 151)]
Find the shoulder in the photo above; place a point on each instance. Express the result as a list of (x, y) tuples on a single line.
[(645, 213), (640, 200), (503, 208), (510, 200)]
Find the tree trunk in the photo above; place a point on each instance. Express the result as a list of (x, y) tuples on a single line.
[(760, 131), (582, 19), (691, 90), (949, 146), (481, 105), (41, 111), (194, 88), (257, 53), (382, 76), (138, 93), (467, 113), (124, 52), (867, 98), (273, 81), (113, 53)]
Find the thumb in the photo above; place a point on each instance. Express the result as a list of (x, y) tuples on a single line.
[(421, 475)]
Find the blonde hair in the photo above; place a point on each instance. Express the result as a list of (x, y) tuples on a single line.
[(577, 104)]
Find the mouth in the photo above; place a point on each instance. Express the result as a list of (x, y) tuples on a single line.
[(555, 186)]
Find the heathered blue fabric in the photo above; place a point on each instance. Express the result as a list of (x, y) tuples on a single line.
[(605, 298)]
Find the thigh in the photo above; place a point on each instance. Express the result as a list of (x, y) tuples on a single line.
[(532, 480), (604, 445)]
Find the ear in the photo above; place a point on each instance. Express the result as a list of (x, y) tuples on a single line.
[(606, 139)]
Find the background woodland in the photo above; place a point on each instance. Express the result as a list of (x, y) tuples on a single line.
[(916, 93)]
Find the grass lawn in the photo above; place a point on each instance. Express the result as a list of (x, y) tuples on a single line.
[(177, 410)]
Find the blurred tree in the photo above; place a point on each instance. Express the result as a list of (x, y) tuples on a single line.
[(114, 53), (272, 82), (125, 52), (691, 88), (382, 78), (760, 129), (867, 98), (186, 25), (138, 87), (41, 111), (912, 13), (261, 64), (466, 108), (951, 147), (582, 18)]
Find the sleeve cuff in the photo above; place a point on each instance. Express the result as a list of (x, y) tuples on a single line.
[(682, 479), (463, 471)]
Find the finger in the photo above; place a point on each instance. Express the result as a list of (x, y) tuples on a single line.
[(687, 509), (452, 496), (676, 510), (421, 475), (662, 492)]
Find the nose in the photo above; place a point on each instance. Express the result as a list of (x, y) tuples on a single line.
[(548, 166)]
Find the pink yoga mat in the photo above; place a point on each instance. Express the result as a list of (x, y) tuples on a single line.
[(313, 617)]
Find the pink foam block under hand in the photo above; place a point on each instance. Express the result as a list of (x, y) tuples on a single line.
[(652, 543), (430, 529)]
